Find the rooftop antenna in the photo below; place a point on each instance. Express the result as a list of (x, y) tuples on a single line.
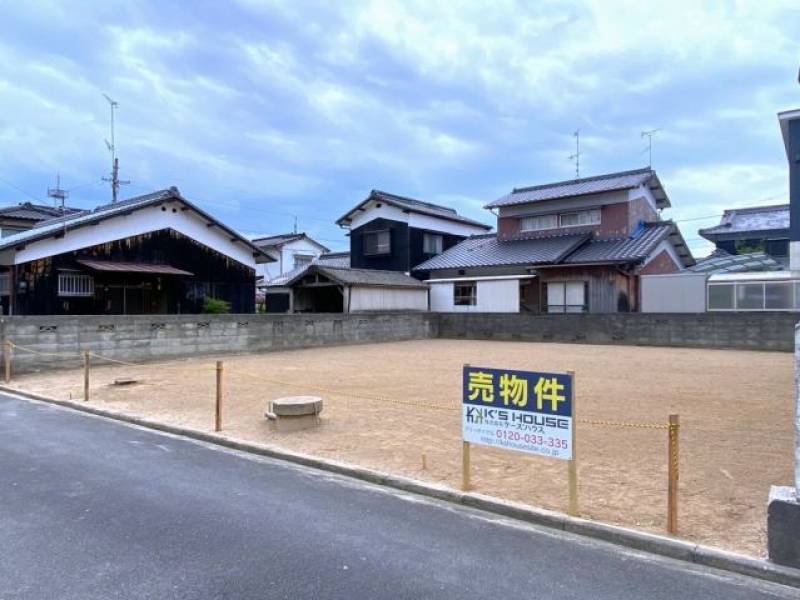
[(114, 179), (58, 194), (649, 133), (295, 223), (577, 156)]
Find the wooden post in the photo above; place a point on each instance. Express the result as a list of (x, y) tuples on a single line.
[(572, 464), (465, 466), (672, 487), (424, 462), (7, 345), (85, 375), (218, 412)]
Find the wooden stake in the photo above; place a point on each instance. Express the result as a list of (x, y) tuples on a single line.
[(672, 486), (218, 412), (465, 466), (7, 345), (424, 462), (85, 375), (572, 464)]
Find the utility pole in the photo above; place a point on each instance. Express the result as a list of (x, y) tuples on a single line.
[(577, 156), (649, 133), (114, 179)]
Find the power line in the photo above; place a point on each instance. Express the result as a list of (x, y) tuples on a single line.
[(19, 189)]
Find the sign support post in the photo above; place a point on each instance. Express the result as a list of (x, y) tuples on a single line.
[(572, 464), (465, 466)]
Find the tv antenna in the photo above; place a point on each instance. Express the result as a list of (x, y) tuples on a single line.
[(295, 224), (649, 133), (114, 179), (577, 156), (58, 194)]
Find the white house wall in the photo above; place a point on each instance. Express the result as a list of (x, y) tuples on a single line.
[(284, 257), (430, 223), (416, 220), (140, 221), (383, 298), (496, 296)]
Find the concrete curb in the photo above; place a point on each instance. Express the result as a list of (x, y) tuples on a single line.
[(621, 536)]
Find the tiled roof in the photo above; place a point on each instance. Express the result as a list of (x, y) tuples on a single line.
[(413, 205), (587, 185), (348, 276), (34, 212), (488, 251), (106, 211), (331, 259), (750, 220), (278, 239), (334, 259), (627, 249), (371, 277), (283, 238), (720, 261)]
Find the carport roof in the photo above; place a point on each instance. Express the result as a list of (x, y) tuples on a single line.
[(359, 277)]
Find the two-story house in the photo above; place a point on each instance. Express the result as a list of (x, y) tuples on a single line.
[(289, 252), (570, 246), (395, 233), (754, 231)]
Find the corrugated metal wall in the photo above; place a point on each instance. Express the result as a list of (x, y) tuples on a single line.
[(674, 293), (383, 298)]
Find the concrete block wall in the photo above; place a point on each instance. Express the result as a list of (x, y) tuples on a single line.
[(58, 340), (746, 331)]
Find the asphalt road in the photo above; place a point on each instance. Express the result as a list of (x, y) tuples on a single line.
[(90, 508)]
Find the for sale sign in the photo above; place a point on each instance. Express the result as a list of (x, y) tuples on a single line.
[(519, 410)]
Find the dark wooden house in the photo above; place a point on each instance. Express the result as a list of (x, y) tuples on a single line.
[(157, 253), (394, 233)]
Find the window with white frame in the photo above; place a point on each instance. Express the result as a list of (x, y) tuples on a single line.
[(566, 297), (75, 285), (301, 260), (538, 223), (754, 295), (465, 293), (377, 242), (580, 218), (432, 243)]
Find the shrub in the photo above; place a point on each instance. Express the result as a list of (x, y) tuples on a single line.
[(216, 306)]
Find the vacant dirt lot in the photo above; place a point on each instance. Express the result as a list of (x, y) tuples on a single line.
[(394, 403)]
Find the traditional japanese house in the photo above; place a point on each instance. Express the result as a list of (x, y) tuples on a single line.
[(571, 246), (156, 253)]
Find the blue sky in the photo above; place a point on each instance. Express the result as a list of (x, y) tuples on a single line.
[(263, 110)]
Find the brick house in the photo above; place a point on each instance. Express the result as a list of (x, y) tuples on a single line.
[(571, 246)]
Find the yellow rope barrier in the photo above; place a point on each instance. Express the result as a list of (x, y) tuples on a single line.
[(623, 424), (38, 352), (322, 390)]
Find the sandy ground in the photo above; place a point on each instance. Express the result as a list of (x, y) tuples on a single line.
[(396, 402)]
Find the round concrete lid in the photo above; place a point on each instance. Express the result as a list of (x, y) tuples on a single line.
[(294, 406)]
